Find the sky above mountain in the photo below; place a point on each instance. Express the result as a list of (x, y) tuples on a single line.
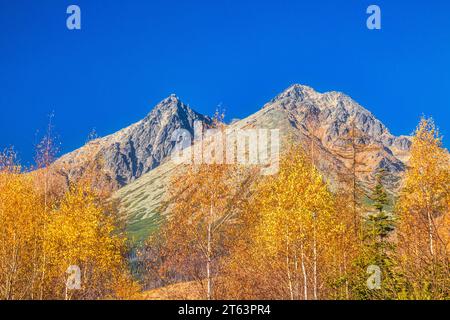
[(129, 55)]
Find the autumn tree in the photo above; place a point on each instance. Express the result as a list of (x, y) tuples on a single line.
[(41, 236), (290, 224), (46, 152), (203, 199), (423, 210), (49, 185), (352, 146), (204, 209), (353, 195), (347, 206), (22, 219), (81, 233)]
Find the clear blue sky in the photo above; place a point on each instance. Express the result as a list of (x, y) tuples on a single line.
[(131, 54)]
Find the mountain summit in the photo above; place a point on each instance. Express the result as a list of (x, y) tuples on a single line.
[(296, 92), (129, 153), (327, 121)]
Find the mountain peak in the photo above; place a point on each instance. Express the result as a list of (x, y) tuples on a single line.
[(297, 92), (142, 146), (300, 88), (170, 105), (173, 108), (330, 116), (172, 98)]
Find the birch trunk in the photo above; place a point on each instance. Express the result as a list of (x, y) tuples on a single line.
[(315, 260), (208, 256), (305, 278), (291, 292)]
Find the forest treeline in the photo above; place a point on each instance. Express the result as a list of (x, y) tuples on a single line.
[(233, 233), (49, 230)]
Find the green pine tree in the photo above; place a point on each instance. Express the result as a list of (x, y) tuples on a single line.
[(380, 223), (377, 249)]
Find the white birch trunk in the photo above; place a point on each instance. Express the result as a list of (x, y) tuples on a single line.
[(305, 277)]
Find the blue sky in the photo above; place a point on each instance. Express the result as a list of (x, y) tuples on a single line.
[(131, 54)]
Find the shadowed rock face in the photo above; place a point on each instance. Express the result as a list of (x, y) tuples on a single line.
[(131, 152)]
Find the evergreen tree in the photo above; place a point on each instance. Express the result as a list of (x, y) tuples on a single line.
[(376, 249), (379, 222)]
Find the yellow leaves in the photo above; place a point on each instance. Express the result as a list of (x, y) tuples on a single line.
[(205, 200), (80, 233), (429, 162), (292, 202), (427, 178), (40, 237), (21, 219), (423, 209), (291, 230)]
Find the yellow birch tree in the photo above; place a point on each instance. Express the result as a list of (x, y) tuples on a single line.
[(423, 210)]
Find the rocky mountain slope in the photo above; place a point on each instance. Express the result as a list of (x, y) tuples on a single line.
[(131, 152), (322, 122), (332, 120)]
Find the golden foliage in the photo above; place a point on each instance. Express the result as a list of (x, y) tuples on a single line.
[(292, 236), (22, 219), (423, 209), (81, 233), (42, 235), (205, 199)]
